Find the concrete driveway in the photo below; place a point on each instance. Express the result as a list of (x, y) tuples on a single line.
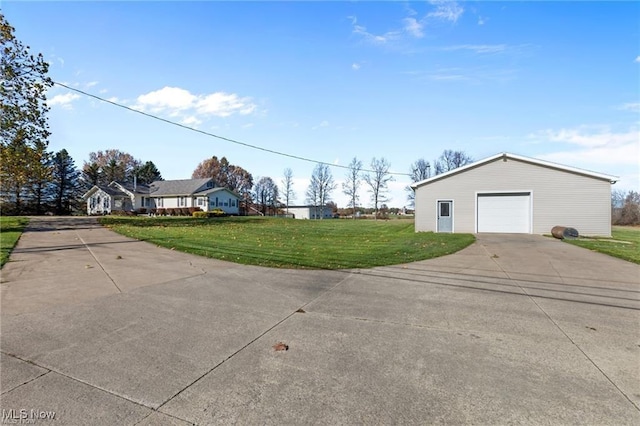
[(100, 329)]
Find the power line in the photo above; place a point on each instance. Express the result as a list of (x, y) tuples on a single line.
[(248, 145)]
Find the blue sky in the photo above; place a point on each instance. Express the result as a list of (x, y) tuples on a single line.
[(559, 81)]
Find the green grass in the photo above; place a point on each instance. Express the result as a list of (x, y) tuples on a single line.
[(11, 228), (628, 251), (290, 243)]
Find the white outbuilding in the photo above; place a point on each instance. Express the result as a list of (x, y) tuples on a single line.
[(508, 193)]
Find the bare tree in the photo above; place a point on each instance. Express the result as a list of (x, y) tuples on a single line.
[(113, 164), (287, 187), (352, 184), (320, 187), (420, 170), (378, 181), (266, 193), (627, 213), (226, 175), (450, 160)]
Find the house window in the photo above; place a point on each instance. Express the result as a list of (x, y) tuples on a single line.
[(444, 209), (233, 203), (216, 201), (210, 184), (105, 204), (199, 201), (160, 202)]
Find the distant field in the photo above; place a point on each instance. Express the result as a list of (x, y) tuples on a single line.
[(624, 243), (290, 243), (11, 228)]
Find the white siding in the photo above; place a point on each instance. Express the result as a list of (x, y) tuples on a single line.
[(558, 197), (306, 212), (99, 203)]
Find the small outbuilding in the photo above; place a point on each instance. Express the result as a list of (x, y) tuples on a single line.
[(310, 212), (508, 193)]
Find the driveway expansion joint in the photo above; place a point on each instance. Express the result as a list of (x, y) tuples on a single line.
[(533, 299), (252, 341), (98, 262)]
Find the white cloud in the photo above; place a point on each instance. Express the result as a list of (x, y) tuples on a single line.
[(631, 106), (637, 60), (593, 146), (178, 102), (167, 98), (355, 66), (444, 76), (91, 84), (324, 123), (481, 20), (370, 37), (443, 10), (64, 100), (446, 10), (414, 27), (191, 121), (478, 48)]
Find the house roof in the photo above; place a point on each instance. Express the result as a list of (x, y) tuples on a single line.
[(139, 188), (505, 156), (214, 190), (107, 189), (177, 187)]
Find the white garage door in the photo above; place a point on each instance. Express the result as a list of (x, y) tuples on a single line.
[(507, 213)]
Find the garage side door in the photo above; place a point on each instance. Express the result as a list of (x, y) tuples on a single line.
[(504, 213)]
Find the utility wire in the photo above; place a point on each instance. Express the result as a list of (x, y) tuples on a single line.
[(271, 151)]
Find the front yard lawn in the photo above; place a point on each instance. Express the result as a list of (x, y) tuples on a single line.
[(291, 243), (624, 243), (11, 228)]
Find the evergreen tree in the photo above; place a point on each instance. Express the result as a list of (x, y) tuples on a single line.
[(66, 183), (148, 173)]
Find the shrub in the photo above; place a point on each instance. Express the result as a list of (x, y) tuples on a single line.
[(153, 211), (184, 211), (170, 211), (141, 210), (200, 214), (217, 213), (194, 209), (160, 212)]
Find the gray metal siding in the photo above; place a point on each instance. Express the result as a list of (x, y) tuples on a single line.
[(558, 197)]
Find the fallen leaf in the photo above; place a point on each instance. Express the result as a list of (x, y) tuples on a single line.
[(281, 346)]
